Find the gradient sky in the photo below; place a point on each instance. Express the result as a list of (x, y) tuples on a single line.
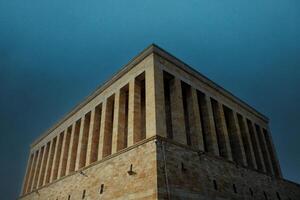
[(54, 53)]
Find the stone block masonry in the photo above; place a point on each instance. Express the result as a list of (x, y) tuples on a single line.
[(157, 130)]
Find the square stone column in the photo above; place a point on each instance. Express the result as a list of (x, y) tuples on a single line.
[(38, 169), (119, 140), (155, 104), (266, 153), (63, 153), (102, 130), (77, 165), (195, 121), (32, 173), (108, 126), (272, 150), (252, 154), (212, 140), (27, 175), (134, 114), (178, 122), (90, 137), (69, 157), (117, 122), (260, 158), (44, 164), (239, 140), (94, 147), (136, 110), (221, 129), (49, 161), (56, 157)]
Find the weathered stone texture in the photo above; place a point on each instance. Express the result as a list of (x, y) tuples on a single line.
[(184, 173), (157, 111), (113, 173)]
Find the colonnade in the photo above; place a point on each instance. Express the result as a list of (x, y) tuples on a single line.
[(198, 120), (154, 102), (114, 124)]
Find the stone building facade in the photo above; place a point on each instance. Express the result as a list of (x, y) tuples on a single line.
[(157, 129)]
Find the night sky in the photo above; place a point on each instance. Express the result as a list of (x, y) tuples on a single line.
[(55, 53)]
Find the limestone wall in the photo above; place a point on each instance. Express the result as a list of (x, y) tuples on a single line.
[(112, 174), (186, 174)]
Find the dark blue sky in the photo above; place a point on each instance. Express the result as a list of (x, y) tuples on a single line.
[(54, 53)]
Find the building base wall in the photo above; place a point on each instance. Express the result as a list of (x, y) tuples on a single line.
[(113, 174), (164, 170), (187, 174)]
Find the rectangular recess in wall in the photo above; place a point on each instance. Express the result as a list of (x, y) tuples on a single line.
[(75, 145), (167, 95), (84, 140), (96, 133)]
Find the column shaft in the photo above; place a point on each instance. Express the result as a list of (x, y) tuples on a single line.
[(265, 151), (33, 169), (44, 164), (96, 134), (242, 155), (82, 145), (63, 149), (260, 158), (212, 143), (275, 162), (49, 161), (66, 150), (27, 175), (108, 126), (69, 157), (196, 128), (37, 173), (221, 130), (102, 130), (116, 123), (54, 160), (178, 122), (90, 137), (252, 159), (79, 145), (155, 104), (134, 114)]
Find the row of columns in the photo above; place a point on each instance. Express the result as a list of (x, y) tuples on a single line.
[(116, 123), (172, 109), (196, 119)]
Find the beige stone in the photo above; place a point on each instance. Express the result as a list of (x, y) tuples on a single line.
[(116, 144)]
